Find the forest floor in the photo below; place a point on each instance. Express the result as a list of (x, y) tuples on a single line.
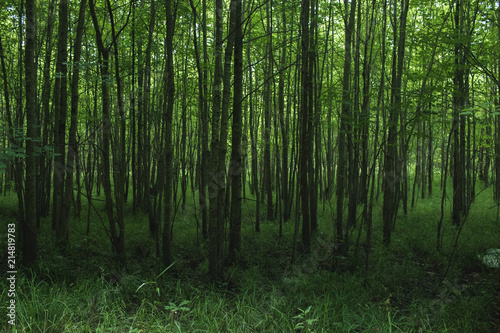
[(407, 287)]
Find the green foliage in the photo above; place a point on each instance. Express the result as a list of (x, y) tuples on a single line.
[(304, 322), (157, 288), (401, 292)]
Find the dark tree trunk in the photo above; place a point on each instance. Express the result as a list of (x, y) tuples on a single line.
[(203, 125), (304, 126), (236, 154), (73, 145), (285, 196), (314, 158), (167, 118), (116, 236), (29, 234), (254, 129), (344, 126), (267, 177), (60, 224), (391, 177), (497, 125), (214, 180), (459, 173), (119, 158), (44, 184)]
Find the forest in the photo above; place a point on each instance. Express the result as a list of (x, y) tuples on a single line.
[(250, 165)]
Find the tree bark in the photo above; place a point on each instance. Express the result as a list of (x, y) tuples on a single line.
[(459, 173), (60, 224), (116, 236), (267, 191), (29, 234), (167, 118), (45, 161), (235, 166), (304, 126), (73, 145), (215, 179), (391, 177), (344, 126)]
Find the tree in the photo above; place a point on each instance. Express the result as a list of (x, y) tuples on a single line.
[(45, 162), (216, 180), (29, 234), (344, 126), (460, 206), (391, 177), (235, 167), (167, 118), (73, 144), (60, 101), (267, 190), (305, 135), (117, 237)]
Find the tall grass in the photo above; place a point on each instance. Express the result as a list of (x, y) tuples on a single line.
[(403, 290)]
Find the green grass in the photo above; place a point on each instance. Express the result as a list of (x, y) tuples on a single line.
[(402, 291)]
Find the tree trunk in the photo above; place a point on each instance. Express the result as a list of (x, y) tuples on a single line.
[(344, 126), (116, 236), (304, 126), (29, 234), (60, 224), (167, 118), (119, 158), (215, 179), (459, 172), (203, 125), (73, 145), (45, 161), (236, 154), (391, 181), (267, 188)]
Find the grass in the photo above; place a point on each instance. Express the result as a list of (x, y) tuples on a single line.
[(403, 290)]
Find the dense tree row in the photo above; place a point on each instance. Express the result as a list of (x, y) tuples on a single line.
[(285, 103)]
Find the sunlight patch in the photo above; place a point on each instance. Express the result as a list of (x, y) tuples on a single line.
[(491, 258)]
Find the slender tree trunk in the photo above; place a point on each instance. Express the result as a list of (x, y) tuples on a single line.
[(497, 123), (73, 145), (267, 188), (314, 158), (344, 126), (167, 118), (119, 158), (214, 186), (106, 137), (60, 224), (254, 129), (205, 125), (133, 123), (44, 184), (365, 187), (304, 126), (459, 172), (284, 125), (430, 159), (29, 234), (391, 181), (19, 123), (203, 153), (236, 154)]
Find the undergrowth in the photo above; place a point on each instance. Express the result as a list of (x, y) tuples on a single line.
[(404, 289)]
